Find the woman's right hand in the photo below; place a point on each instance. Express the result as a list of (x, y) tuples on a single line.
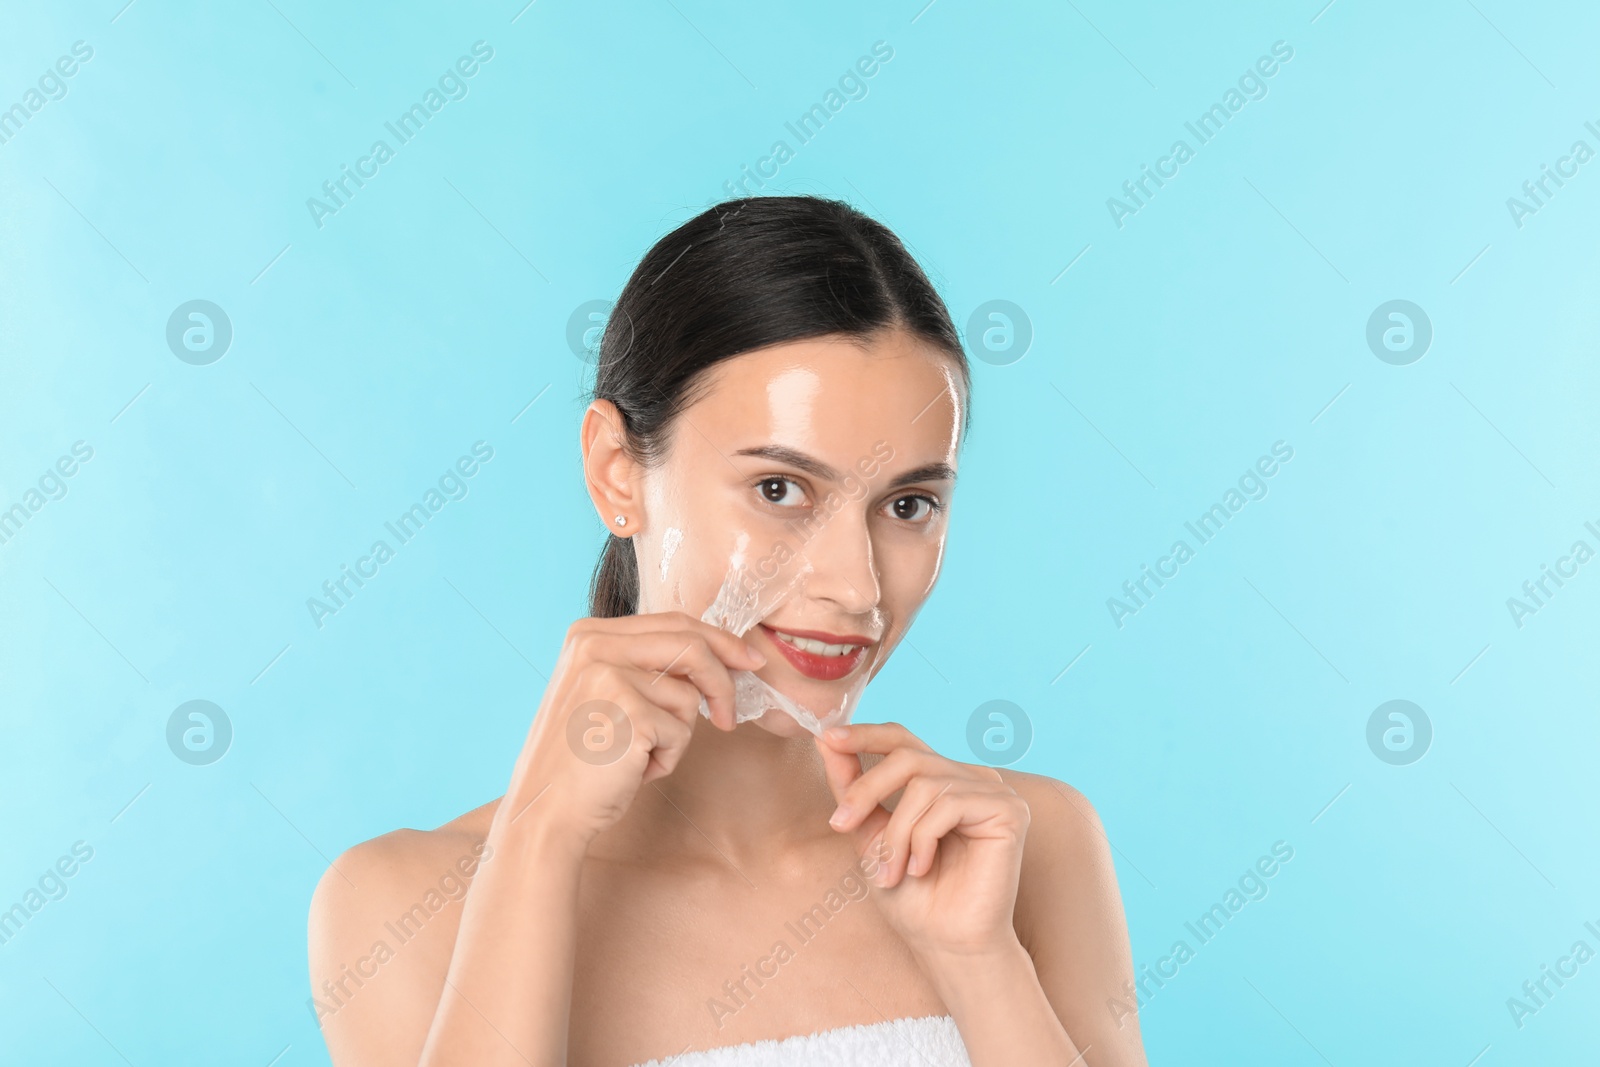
[(618, 712)]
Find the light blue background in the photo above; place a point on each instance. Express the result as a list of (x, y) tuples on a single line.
[(1226, 315)]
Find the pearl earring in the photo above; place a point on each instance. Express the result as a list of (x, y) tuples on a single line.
[(622, 520)]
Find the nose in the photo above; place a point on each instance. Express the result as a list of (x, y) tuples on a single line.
[(843, 571)]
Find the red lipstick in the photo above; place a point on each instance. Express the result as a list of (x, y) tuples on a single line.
[(822, 668)]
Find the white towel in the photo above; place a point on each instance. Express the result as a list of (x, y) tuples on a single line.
[(931, 1040)]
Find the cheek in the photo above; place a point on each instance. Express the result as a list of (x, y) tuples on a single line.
[(907, 570), (681, 570), (700, 568), (673, 547), (705, 570)]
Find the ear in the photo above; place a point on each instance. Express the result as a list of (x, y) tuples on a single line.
[(612, 475)]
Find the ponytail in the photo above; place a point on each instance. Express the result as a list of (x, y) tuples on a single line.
[(614, 589)]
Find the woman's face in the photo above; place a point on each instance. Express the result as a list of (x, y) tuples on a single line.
[(828, 464)]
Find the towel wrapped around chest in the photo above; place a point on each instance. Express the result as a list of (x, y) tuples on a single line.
[(931, 1041)]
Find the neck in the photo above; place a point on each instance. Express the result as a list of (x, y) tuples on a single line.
[(751, 798)]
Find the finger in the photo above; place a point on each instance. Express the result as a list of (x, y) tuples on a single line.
[(660, 733), (971, 810), (947, 813), (697, 662), (663, 731), (873, 737), (676, 695), (921, 795), (730, 652), (839, 768), (888, 777), (679, 653), (646, 740), (661, 764), (872, 844), (974, 811), (647, 725)]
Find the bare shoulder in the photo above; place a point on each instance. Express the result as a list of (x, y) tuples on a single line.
[(1040, 790), (1066, 855), (367, 876), (1070, 918), (383, 922), (1062, 820)]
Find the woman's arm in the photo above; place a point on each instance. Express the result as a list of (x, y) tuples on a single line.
[(1068, 970), (1002, 1012), (1024, 945), (490, 983), (1071, 922), (506, 997), (407, 967)]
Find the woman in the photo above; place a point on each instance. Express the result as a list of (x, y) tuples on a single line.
[(779, 403)]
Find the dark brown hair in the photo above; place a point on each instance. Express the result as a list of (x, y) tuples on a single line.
[(740, 276)]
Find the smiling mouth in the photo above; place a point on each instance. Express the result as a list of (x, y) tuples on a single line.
[(825, 657)]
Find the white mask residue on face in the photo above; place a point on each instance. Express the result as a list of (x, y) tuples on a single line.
[(669, 547), (750, 592)]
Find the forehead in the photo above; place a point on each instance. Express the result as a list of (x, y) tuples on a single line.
[(833, 398)]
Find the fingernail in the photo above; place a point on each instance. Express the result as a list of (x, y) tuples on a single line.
[(837, 733), (756, 654), (839, 817)]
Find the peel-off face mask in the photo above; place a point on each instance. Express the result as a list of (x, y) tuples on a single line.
[(822, 554), (753, 586), (750, 592)]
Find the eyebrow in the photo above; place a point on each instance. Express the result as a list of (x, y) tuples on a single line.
[(930, 472)]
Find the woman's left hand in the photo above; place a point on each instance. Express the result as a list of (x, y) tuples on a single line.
[(950, 853)]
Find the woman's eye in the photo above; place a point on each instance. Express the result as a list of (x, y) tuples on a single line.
[(913, 508), (783, 492)]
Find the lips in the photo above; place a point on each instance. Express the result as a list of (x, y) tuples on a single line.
[(822, 656)]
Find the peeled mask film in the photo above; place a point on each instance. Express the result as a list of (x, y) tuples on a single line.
[(759, 578), (750, 592), (754, 585)]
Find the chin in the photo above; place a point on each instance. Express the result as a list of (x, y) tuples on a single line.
[(820, 698), (780, 724)]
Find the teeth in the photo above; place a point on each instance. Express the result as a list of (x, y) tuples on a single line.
[(816, 648)]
